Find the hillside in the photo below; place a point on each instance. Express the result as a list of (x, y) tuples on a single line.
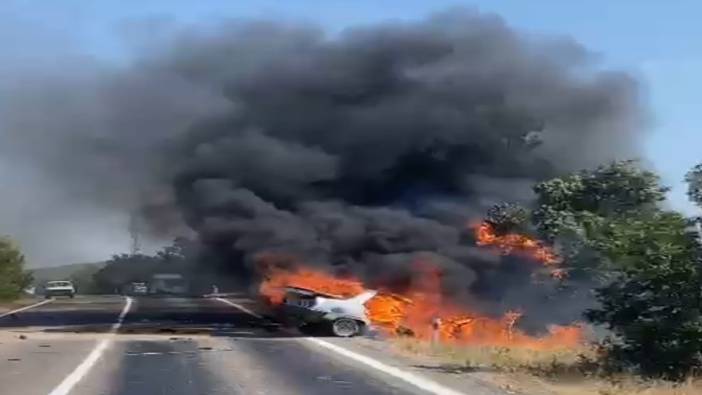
[(64, 272)]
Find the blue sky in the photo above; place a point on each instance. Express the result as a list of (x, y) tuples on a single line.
[(657, 41)]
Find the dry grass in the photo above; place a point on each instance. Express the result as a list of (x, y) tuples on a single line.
[(504, 359), (16, 304), (546, 372), (627, 387)]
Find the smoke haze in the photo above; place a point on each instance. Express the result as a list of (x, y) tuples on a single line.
[(364, 151)]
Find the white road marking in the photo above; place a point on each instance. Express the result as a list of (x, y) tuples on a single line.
[(43, 302), (422, 383), (417, 381), (82, 370), (240, 307), (123, 314)]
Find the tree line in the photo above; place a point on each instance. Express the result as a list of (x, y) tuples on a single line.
[(123, 269)]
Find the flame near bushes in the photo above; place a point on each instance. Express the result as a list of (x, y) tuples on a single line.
[(415, 310)]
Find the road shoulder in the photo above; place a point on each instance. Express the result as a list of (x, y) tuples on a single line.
[(9, 307)]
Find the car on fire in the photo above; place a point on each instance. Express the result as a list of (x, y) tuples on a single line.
[(346, 316)]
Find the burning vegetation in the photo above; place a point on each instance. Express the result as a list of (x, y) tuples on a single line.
[(516, 243), (421, 309)]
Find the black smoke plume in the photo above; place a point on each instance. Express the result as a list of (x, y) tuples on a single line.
[(360, 152)]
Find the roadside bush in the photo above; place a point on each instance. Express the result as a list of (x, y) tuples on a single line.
[(13, 278), (642, 261), (652, 302)]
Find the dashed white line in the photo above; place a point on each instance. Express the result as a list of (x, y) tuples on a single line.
[(422, 383), (43, 302), (82, 370)]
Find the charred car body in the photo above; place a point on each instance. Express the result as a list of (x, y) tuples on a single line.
[(345, 316)]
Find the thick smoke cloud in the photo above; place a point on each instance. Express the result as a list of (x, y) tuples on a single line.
[(369, 151), (363, 151)]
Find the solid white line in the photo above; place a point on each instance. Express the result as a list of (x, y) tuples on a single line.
[(27, 307), (240, 307), (82, 370), (415, 380)]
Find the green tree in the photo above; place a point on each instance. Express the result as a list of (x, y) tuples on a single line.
[(641, 260), (508, 217), (652, 299), (180, 251), (694, 184), (572, 211), (13, 278), (579, 202), (84, 280), (123, 269)]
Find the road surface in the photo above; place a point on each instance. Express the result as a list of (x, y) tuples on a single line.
[(113, 345)]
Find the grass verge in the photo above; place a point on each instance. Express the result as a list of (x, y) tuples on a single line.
[(8, 305), (539, 372)]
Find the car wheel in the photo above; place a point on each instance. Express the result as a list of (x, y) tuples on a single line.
[(345, 327)]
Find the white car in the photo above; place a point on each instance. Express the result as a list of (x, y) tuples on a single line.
[(138, 288), (59, 288), (347, 316)]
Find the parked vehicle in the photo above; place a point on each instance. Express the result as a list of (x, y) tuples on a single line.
[(59, 288), (169, 284), (139, 288)]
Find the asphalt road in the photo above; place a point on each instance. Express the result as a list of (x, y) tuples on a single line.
[(151, 346)]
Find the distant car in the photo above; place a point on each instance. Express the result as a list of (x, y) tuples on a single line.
[(168, 284), (59, 288), (346, 316), (140, 289)]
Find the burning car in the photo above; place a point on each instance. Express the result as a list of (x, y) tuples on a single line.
[(346, 315)]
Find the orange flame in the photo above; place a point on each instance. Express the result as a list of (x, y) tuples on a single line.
[(515, 243), (417, 309), (273, 288)]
